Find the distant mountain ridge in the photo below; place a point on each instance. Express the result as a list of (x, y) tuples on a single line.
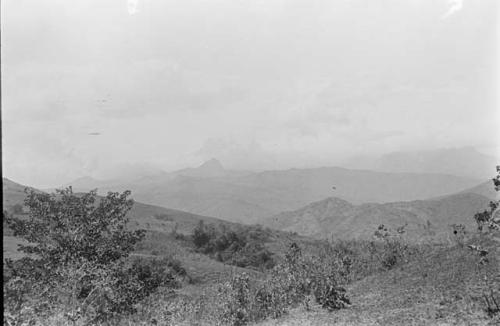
[(209, 169), (330, 217), (464, 161), (246, 197), (212, 168)]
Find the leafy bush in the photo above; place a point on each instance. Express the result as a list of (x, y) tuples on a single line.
[(488, 218), (292, 282), (395, 249), (236, 311), (76, 259), (241, 247)]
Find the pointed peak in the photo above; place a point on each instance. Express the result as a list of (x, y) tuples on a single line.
[(212, 164)]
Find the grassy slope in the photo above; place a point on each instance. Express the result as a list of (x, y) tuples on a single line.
[(484, 189), (13, 193), (440, 288)]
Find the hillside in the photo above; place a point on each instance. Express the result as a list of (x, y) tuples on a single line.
[(338, 219), (248, 197), (484, 189), (160, 222), (13, 193), (441, 287), (141, 215)]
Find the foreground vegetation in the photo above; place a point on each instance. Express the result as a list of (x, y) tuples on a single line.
[(82, 265)]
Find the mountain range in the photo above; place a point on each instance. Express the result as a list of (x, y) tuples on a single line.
[(331, 217), (247, 197)]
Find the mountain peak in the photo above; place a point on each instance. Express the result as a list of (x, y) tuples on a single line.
[(210, 169), (212, 165)]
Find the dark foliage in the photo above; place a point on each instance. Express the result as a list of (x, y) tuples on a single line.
[(395, 248), (488, 217), (240, 247), (76, 259), (294, 281)]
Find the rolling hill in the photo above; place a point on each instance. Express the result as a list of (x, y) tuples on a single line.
[(484, 189), (339, 219)]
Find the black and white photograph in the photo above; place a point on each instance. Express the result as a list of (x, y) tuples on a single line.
[(250, 162)]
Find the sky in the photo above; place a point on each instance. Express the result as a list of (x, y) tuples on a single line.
[(105, 87)]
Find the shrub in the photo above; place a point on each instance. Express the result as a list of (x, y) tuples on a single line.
[(292, 282), (201, 236), (489, 216), (395, 249), (313, 275), (241, 247), (236, 310), (76, 259)]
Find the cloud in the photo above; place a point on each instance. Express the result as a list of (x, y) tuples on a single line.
[(132, 7), (454, 6)]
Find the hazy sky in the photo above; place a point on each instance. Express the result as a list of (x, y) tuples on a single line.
[(99, 86)]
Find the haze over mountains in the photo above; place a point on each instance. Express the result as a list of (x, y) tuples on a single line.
[(247, 197), (318, 202), (465, 161), (330, 217)]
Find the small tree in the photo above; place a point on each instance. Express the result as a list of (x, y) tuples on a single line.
[(396, 249), (66, 228), (200, 235), (75, 256), (488, 217)]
